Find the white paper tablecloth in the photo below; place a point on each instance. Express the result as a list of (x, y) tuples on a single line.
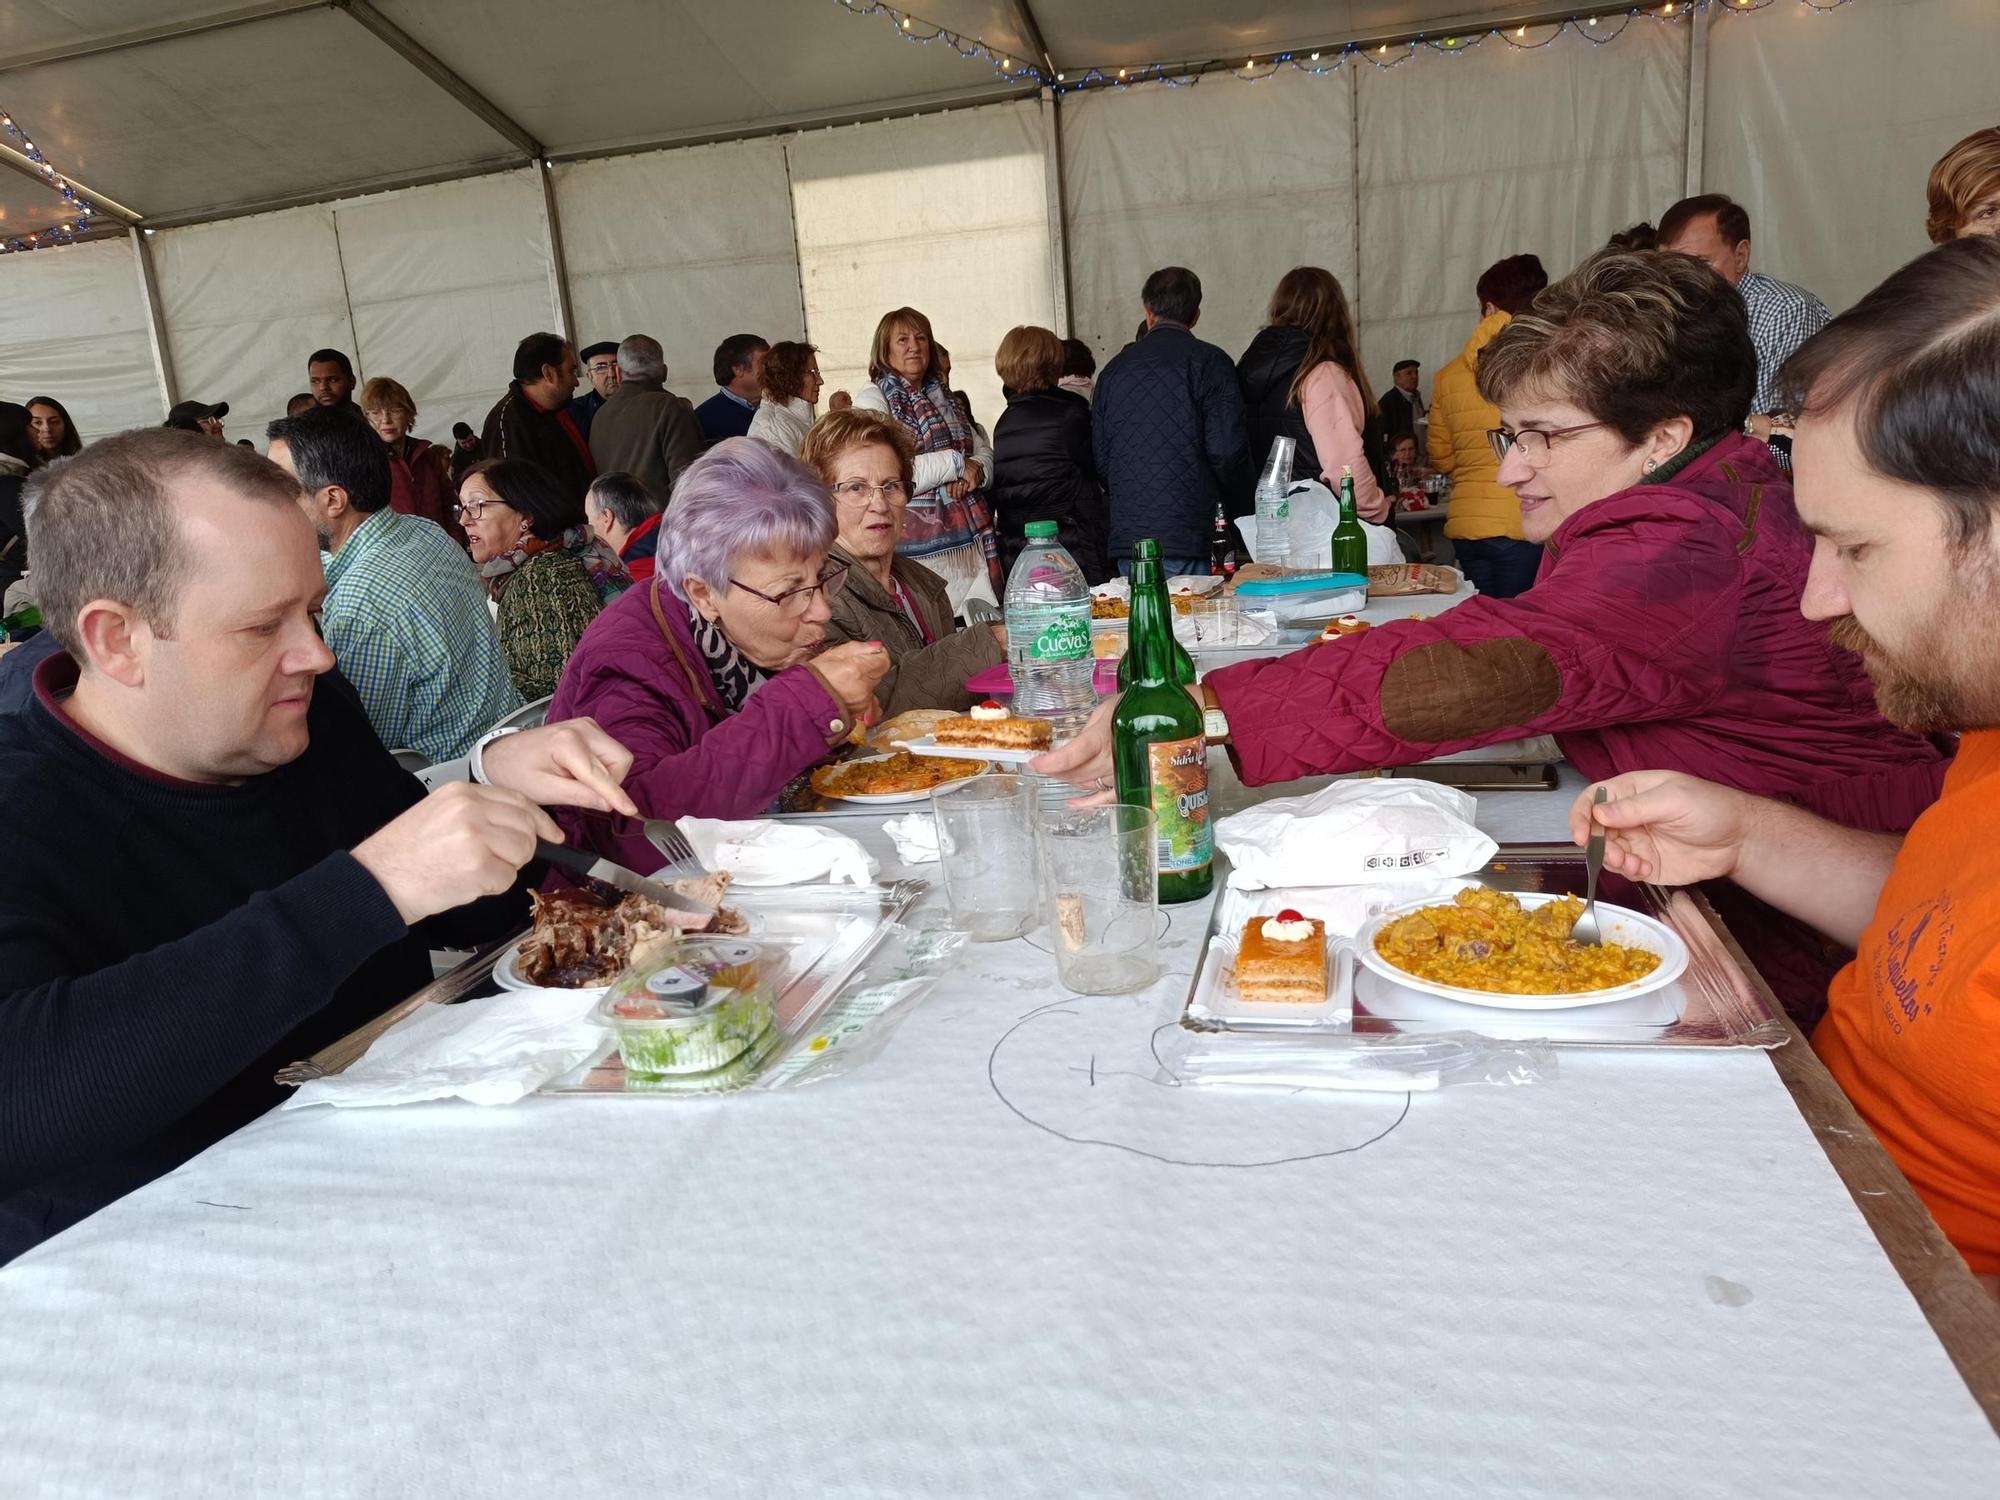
[(1002, 1261)]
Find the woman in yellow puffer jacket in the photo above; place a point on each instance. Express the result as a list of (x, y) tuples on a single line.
[(1484, 518)]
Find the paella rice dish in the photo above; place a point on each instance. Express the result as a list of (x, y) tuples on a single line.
[(1486, 940), (877, 776)]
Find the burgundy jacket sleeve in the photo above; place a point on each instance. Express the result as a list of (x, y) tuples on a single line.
[(1632, 623)]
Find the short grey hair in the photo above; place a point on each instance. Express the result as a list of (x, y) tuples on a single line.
[(623, 497), (105, 525), (642, 358), (740, 500)]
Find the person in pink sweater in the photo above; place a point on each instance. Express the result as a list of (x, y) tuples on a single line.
[(1302, 379)]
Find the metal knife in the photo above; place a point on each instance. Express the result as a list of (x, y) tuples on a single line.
[(618, 876)]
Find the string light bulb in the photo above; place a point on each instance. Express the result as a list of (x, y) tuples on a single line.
[(1523, 31), (906, 23), (1593, 20), (1315, 57)]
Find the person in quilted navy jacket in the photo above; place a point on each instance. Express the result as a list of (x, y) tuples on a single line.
[(1169, 431)]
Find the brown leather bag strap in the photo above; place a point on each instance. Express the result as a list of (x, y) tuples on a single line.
[(698, 681)]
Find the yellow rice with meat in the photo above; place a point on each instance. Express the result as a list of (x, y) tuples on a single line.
[(1486, 940)]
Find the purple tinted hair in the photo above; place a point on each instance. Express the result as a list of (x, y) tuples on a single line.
[(742, 499)]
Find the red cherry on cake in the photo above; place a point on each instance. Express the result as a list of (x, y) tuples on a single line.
[(1288, 915), (990, 703)]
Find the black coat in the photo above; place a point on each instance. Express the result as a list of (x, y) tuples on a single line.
[(13, 533), (1265, 374), (1168, 423), (1043, 470)]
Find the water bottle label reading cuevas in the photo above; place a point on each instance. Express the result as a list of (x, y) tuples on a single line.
[(1179, 776), (1065, 638)]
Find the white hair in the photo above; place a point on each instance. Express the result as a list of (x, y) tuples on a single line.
[(642, 358)]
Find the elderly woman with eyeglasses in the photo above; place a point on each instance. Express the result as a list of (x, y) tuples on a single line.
[(867, 461), (713, 673), (1663, 630)]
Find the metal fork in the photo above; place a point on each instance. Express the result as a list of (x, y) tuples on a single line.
[(1585, 934), (666, 837)]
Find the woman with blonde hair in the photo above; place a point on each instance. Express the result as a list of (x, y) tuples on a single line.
[(948, 525), (1301, 378), (1964, 189), (1044, 467), (419, 471)]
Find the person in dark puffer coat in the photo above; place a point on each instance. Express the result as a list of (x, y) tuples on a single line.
[(1043, 467)]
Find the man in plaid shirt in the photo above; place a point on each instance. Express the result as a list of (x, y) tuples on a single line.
[(1715, 228), (405, 612)]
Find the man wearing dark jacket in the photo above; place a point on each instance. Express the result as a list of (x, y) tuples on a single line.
[(600, 368), (230, 870), (532, 420), (1169, 430), (645, 430)]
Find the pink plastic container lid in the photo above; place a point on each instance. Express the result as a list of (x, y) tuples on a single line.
[(998, 682)]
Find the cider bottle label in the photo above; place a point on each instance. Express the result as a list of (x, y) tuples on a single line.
[(1178, 771)]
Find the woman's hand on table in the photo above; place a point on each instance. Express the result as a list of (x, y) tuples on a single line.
[(1667, 827), (460, 843), (1084, 760), (850, 672), (570, 764)]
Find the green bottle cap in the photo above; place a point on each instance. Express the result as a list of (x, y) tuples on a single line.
[(1146, 547), (1040, 529)]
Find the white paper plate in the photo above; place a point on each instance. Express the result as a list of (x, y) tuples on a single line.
[(507, 974), (928, 745), (1215, 997), (1619, 925), (886, 799)]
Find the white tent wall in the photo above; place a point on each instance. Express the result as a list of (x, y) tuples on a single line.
[(442, 283), (688, 246), (946, 213), (1238, 182), (74, 322), (244, 302), (1825, 127), (1467, 159)]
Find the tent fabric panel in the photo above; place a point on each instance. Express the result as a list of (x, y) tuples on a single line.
[(1465, 160), (945, 213), (687, 246), (75, 323), (442, 283), (1237, 182), (1825, 129)]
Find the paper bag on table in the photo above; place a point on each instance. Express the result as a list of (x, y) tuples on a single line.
[(1354, 833)]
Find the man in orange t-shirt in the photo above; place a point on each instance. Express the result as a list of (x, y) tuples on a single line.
[(1897, 465)]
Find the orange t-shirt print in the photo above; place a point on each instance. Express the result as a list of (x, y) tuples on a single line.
[(1912, 1030)]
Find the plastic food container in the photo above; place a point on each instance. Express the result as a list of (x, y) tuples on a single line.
[(697, 1007), (1307, 596)]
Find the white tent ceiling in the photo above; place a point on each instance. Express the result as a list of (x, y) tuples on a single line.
[(186, 110)]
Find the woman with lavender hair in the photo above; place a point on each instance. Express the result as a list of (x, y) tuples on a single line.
[(712, 673)]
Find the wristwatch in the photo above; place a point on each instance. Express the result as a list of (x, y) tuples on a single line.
[(1214, 722), (475, 763)]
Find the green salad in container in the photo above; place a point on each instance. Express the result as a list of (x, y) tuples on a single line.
[(691, 1007)]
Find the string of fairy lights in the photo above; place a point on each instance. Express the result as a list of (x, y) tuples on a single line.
[(1596, 25)]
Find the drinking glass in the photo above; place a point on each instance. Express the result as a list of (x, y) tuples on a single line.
[(1101, 897), (986, 844)]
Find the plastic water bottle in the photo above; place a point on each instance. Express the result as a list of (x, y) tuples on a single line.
[(1274, 509), (1048, 633)]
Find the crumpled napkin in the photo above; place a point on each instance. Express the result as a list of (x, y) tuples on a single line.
[(758, 851), (916, 837), (1354, 833), (490, 1051)]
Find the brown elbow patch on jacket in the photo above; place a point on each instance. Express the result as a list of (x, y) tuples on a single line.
[(1445, 691)]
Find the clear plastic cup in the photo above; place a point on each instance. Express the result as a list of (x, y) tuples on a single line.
[(986, 846), (1102, 897)]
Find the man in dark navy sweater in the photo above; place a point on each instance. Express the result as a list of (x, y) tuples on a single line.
[(213, 866)]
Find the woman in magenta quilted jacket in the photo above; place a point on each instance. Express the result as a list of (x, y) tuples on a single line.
[(711, 674)]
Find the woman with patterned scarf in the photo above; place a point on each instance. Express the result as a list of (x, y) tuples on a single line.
[(949, 526), (548, 573), (713, 673)]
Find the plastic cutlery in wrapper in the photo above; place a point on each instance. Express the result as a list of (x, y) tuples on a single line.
[(1354, 833), (1392, 1064), (760, 851)]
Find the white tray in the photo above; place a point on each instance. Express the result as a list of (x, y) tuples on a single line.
[(1215, 1001)]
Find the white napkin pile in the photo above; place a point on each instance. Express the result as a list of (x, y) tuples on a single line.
[(759, 851), (916, 837), (490, 1051), (1354, 833)]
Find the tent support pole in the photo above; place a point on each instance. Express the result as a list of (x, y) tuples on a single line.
[(1697, 102), (156, 328), (1052, 175), (171, 31), (558, 263), (1354, 197), (427, 62)]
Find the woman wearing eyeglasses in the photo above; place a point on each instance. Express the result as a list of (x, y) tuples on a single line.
[(548, 573), (712, 673), (1664, 629), (868, 463)]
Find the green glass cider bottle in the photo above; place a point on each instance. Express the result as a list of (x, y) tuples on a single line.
[(1350, 542), (1158, 749)]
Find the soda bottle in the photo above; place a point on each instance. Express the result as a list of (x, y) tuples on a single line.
[(1274, 508), (1048, 633), (1350, 542), (1222, 544), (1158, 749)]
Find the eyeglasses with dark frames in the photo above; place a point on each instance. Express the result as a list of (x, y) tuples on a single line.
[(1533, 442), (795, 602)]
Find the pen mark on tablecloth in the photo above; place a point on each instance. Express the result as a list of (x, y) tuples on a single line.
[(1169, 1081), (242, 1208)]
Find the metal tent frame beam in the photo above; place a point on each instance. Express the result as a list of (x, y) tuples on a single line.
[(172, 31)]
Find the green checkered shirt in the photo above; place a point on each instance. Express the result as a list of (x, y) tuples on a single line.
[(406, 617)]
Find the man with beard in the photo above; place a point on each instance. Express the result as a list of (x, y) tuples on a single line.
[(1897, 461)]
